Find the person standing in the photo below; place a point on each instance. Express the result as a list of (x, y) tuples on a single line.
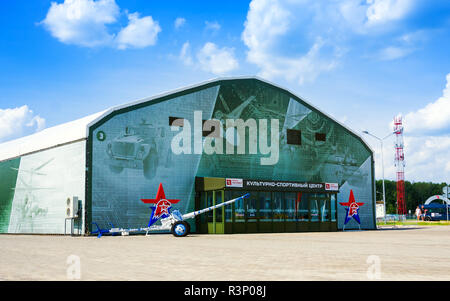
[(418, 213)]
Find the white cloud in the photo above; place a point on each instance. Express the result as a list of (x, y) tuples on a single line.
[(214, 26), (372, 15), (426, 159), (82, 22), (217, 60), (267, 23), (85, 23), (414, 37), (393, 53), (381, 11), (185, 54), (179, 22), (301, 39), (403, 45), (209, 58), (17, 122), (434, 117), (426, 143), (139, 33)]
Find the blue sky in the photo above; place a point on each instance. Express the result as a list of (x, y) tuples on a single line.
[(361, 61)]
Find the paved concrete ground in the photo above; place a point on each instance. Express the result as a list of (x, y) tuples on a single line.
[(397, 254)]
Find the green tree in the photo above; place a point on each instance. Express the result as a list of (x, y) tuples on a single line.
[(416, 193)]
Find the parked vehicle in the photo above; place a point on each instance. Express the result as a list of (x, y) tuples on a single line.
[(136, 148), (436, 212)]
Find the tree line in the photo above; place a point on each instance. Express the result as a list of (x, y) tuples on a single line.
[(416, 193)]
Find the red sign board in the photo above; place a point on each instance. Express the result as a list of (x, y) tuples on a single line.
[(229, 182)]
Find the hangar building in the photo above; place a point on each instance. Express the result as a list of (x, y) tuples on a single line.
[(206, 143)]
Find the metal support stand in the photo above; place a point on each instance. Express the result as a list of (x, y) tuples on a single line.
[(359, 225), (73, 213), (71, 225)]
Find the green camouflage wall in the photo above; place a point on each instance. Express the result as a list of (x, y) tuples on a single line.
[(342, 158), (116, 190), (8, 176)]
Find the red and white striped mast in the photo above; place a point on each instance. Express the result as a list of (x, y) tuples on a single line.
[(400, 164)]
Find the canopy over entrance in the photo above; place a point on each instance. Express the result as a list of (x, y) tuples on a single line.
[(437, 197)]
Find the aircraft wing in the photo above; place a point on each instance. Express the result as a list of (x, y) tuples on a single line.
[(42, 165), (31, 188)]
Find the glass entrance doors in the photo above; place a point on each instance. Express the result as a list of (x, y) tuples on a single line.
[(214, 219), (321, 215), (268, 211)]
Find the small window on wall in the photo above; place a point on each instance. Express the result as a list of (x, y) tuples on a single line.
[(294, 137), (176, 121), (321, 137)]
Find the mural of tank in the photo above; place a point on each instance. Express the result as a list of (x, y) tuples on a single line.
[(137, 148)]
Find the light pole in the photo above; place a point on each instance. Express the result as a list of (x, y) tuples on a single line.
[(445, 191), (382, 167)]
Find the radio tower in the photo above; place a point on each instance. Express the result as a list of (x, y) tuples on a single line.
[(400, 164)]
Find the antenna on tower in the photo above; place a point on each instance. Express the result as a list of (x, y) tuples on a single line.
[(400, 164)]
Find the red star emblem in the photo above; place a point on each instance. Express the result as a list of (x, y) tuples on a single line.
[(159, 196), (162, 204), (352, 205), (162, 207)]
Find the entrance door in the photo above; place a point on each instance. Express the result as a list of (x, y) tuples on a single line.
[(215, 218), (318, 204), (322, 208)]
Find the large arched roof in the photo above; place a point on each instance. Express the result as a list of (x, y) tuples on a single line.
[(80, 129), (108, 114)]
